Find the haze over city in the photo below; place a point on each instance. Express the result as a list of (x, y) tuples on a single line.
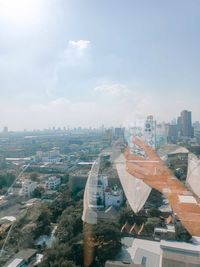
[(87, 63)]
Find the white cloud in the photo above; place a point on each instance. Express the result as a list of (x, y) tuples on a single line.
[(116, 90), (80, 44)]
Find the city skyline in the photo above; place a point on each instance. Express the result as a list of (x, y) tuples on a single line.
[(175, 121), (88, 63)]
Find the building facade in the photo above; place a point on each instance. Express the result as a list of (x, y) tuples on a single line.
[(185, 124)]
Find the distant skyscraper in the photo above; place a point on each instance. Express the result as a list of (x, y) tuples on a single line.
[(5, 129), (179, 125), (172, 133), (161, 134), (185, 122), (118, 132)]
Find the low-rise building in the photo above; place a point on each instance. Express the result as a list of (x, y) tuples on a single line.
[(23, 258), (180, 254), (52, 156), (159, 254), (121, 264), (53, 183), (27, 189), (113, 196), (168, 233)]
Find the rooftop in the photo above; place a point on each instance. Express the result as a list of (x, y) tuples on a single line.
[(14, 263), (180, 246), (121, 264)]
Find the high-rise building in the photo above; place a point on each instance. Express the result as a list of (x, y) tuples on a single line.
[(118, 132), (161, 134), (185, 124), (172, 133), (5, 129)]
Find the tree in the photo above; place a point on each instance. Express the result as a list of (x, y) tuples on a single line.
[(6, 179), (38, 192), (155, 199), (151, 224), (43, 222), (104, 239), (58, 255), (70, 224), (128, 216), (153, 212), (61, 203), (181, 233), (65, 178), (34, 177)]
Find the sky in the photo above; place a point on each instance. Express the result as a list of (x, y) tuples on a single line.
[(93, 62)]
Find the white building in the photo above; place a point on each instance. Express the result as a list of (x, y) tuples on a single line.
[(27, 188), (52, 156), (102, 184), (159, 254), (107, 195), (53, 182), (113, 197)]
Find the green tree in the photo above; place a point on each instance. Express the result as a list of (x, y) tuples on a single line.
[(34, 177), (181, 233), (70, 224), (58, 255), (151, 224), (43, 222), (127, 215), (153, 212), (38, 192), (61, 203), (6, 179), (105, 239)]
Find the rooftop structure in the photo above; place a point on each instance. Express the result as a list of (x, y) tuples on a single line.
[(159, 254), (121, 264), (22, 258)]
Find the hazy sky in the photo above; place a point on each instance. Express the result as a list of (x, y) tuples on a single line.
[(93, 62)]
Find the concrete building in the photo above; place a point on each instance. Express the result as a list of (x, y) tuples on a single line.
[(5, 129), (108, 196), (121, 264), (161, 134), (185, 124), (27, 188), (159, 254), (113, 197), (138, 251), (168, 233), (172, 133), (23, 258), (118, 132), (52, 156), (53, 183), (180, 254)]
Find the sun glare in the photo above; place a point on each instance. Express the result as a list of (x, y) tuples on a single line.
[(21, 12)]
